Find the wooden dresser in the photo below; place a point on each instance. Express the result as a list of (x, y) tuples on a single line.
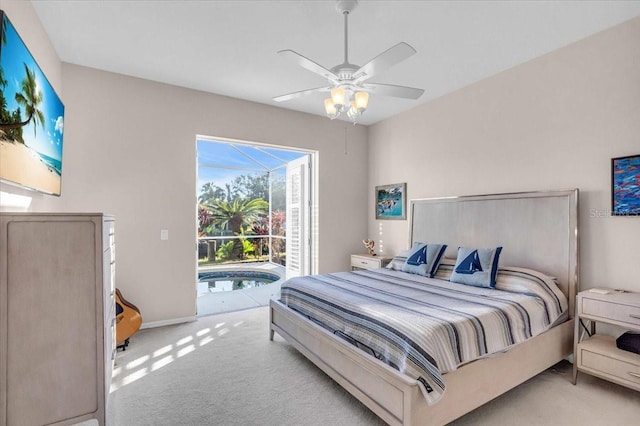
[(57, 324)]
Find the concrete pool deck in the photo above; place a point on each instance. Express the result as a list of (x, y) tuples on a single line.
[(236, 300)]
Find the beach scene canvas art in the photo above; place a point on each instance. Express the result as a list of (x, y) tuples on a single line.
[(391, 201), (626, 185), (31, 118)]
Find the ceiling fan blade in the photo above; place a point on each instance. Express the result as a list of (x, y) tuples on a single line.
[(392, 90), (300, 94), (384, 61), (308, 64)]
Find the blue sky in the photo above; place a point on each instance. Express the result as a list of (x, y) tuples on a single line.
[(214, 156), (13, 58)]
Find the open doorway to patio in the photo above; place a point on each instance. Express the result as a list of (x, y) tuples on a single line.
[(255, 221)]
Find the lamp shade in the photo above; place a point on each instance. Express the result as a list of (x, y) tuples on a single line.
[(361, 101), (330, 108), (337, 96)]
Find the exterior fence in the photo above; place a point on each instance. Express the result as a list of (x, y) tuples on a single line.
[(244, 248)]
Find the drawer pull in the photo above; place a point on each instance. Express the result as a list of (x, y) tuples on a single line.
[(634, 316), (633, 374)]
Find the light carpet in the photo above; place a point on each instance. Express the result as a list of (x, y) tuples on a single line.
[(223, 370)]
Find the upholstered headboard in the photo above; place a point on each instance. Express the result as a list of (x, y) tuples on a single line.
[(537, 230)]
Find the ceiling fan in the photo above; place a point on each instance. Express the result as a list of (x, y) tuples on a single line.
[(347, 82)]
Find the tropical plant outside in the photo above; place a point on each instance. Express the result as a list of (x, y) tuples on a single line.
[(239, 210), (235, 216)]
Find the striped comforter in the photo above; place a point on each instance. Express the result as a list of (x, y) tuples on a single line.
[(423, 327)]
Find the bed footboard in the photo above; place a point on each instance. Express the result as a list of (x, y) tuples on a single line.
[(381, 388), (396, 398)]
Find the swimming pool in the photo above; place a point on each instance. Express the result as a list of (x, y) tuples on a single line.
[(215, 281)]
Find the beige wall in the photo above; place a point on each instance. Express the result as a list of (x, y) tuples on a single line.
[(129, 150), (552, 123)]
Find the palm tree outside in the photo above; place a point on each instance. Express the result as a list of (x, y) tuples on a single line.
[(236, 215)]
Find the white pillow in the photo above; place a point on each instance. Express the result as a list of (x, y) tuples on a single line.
[(528, 281)]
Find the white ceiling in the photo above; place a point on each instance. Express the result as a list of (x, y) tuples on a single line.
[(229, 47)]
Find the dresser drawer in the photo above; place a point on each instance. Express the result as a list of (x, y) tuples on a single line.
[(612, 311)]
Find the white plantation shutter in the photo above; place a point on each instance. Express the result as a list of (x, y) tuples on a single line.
[(297, 221)]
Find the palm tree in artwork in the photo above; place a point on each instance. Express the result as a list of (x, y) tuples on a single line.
[(3, 82), (236, 214), (30, 98)]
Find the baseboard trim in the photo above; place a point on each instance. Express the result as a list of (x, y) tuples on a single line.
[(162, 323)]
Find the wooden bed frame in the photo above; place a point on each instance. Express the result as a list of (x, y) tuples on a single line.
[(538, 230)]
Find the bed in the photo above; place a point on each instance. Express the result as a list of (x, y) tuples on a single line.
[(537, 230)]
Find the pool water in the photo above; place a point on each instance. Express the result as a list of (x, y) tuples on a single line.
[(216, 281)]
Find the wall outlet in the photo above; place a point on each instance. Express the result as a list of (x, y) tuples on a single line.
[(164, 234)]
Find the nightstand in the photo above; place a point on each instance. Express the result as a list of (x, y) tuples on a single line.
[(598, 355), (368, 261)]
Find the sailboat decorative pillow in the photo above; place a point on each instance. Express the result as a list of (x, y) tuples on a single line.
[(424, 259), (476, 266)]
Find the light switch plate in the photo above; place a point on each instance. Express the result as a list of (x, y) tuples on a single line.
[(164, 234)]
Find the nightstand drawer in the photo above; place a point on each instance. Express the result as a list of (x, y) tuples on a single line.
[(363, 262), (611, 311), (368, 261), (609, 366)]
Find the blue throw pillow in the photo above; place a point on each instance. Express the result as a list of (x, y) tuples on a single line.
[(424, 259), (476, 266)]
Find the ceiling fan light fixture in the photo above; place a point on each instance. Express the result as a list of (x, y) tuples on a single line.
[(361, 101), (330, 108), (349, 92), (338, 97), (352, 112)]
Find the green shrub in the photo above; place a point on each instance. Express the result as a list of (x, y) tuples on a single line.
[(227, 250)]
